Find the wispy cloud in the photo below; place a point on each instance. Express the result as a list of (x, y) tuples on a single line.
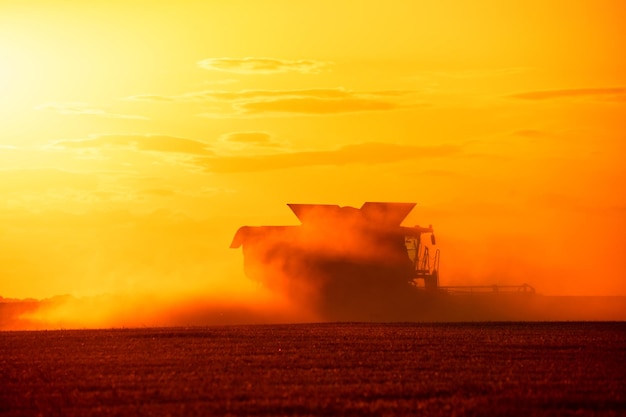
[(252, 95), (365, 153), (612, 93), (84, 109), (314, 101), (248, 137), (155, 143), (316, 106), (250, 143), (262, 65), (318, 101)]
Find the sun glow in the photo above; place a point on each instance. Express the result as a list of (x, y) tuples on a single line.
[(137, 137), (10, 79)]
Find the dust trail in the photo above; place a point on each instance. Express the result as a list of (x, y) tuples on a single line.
[(147, 310), (135, 312), (125, 269)]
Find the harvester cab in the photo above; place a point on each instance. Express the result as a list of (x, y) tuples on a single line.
[(425, 263)]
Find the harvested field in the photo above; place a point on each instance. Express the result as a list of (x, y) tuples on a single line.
[(523, 369)]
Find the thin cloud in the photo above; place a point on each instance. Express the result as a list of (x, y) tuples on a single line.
[(313, 101), (250, 143), (316, 106), (251, 95), (262, 65), (82, 109), (244, 95), (365, 153), (248, 137), (140, 142), (317, 101), (254, 138), (597, 93)]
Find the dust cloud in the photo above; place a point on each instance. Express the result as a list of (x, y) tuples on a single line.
[(338, 264), (142, 310), (121, 269)]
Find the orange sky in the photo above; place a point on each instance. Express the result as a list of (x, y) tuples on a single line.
[(136, 136)]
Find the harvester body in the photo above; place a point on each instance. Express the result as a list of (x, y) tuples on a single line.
[(342, 257)]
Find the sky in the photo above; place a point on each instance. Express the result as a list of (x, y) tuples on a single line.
[(136, 137)]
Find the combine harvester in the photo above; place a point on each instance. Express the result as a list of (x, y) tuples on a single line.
[(361, 264)]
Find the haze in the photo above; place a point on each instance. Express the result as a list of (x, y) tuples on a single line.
[(137, 137)]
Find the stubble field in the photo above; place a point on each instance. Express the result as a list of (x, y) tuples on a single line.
[(330, 369)]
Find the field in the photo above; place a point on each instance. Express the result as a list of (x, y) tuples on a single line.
[(559, 368)]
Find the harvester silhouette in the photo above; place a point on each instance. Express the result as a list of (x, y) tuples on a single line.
[(343, 259)]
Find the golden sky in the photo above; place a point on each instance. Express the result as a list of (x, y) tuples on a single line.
[(137, 136)]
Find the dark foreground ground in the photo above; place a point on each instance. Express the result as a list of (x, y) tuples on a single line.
[(481, 369)]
